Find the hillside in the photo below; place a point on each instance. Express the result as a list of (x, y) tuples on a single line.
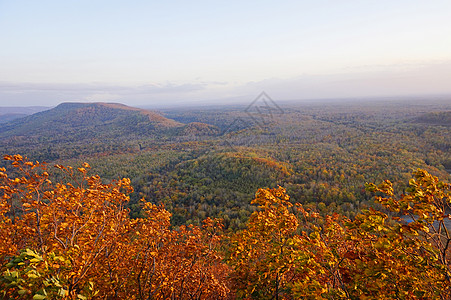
[(199, 129), (9, 113), (442, 118), (9, 117), (88, 120), (84, 129), (25, 110), (73, 129)]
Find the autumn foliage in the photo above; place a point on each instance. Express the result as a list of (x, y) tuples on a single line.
[(288, 252), (74, 239)]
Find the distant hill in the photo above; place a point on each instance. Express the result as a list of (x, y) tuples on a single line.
[(9, 117), (435, 118), (81, 121), (82, 129), (9, 113), (25, 110)]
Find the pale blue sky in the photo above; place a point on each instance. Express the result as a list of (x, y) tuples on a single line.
[(151, 52)]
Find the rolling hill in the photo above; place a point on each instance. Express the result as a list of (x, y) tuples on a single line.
[(73, 129), (442, 118), (9, 117), (9, 113), (86, 120)]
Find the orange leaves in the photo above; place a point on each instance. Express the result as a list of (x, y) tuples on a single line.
[(261, 255), (16, 157), (425, 206), (104, 252), (373, 256), (81, 242)]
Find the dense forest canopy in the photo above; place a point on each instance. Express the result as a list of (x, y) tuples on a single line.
[(208, 162)]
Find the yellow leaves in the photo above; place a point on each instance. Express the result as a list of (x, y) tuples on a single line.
[(125, 181), (372, 256), (89, 240), (314, 214)]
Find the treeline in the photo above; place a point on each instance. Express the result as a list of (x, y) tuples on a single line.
[(73, 238)]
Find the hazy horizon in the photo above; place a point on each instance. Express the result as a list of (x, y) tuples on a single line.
[(171, 53)]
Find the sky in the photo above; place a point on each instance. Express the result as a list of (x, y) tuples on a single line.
[(173, 52)]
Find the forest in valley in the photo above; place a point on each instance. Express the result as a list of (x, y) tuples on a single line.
[(310, 200)]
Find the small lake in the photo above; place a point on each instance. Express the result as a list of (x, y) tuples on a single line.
[(446, 221)]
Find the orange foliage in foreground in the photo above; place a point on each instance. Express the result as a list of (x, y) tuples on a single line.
[(75, 240), (78, 241)]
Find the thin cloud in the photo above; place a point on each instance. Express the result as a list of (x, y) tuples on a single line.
[(381, 81), (52, 94)]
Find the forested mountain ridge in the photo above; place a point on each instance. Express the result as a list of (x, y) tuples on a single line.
[(9, 113), (72, 129), (4, 118), (99, 118)]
